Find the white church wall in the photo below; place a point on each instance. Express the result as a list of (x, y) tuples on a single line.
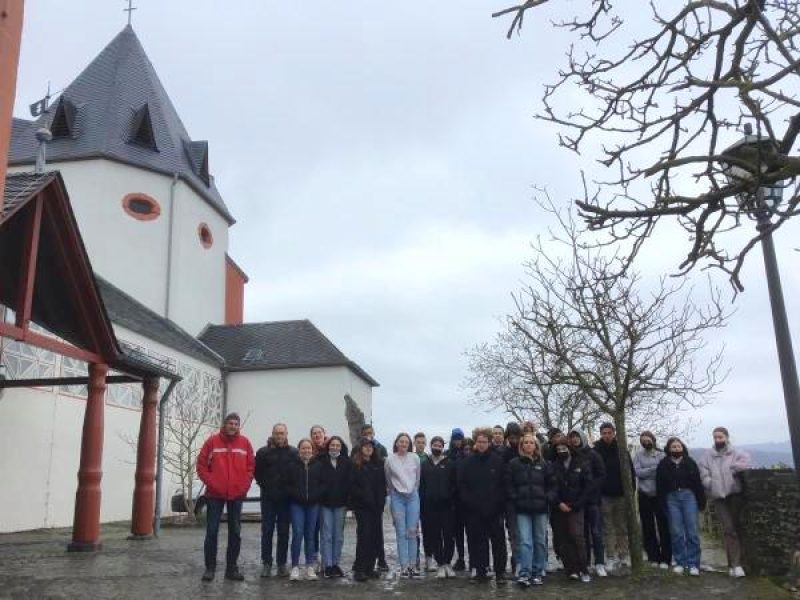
[(298, 397)]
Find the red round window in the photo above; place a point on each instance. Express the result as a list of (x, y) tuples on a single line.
[(204, 233), (141, 206)]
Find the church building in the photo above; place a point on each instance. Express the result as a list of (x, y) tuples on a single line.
[(156, 230)]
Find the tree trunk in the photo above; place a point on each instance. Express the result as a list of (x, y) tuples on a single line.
[(631, 514)]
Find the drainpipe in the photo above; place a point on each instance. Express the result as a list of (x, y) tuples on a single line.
[(169, 241), (162, 405), (224, 373)]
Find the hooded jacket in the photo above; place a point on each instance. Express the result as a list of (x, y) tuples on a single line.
[(719, 470), (272, 471), (304, 481), (596, 466), (530, 485), (612, 485), (367, 489), (225, 464), (437, 487), (573, 482), (645, 464), (480, 482)]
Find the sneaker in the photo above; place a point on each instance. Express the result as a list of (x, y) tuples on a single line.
[(373, 574), (311, 573), (441, 573), (738, 572), (234, 575), (337, 571), (449, 571), (585, 578), (459, 565), (283, 570), (663, 566), (359, 576), (600, 571), (694, 571), (537, 581), (382, 566), (294, 575), (500, 576), (208, 575), (574, 576), (523, 581), (405, 573), (430, 564), (415, 573), (327, 572), (677, 569), (266, 570)]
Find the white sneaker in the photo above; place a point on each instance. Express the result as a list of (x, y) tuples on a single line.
[(585, 578), (294, 575), (600, 571), (449, 572), (677, 569), (311, 573), (441, 573), (694, 571), (430, 565), (738, 572), (653, 564), (663, 566)]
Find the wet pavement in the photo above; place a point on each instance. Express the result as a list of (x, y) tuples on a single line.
[(35, 565)]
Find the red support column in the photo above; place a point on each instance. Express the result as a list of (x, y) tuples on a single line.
[(86, 526), (143, 493)]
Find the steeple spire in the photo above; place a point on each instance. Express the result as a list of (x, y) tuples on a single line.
[(129, 10)]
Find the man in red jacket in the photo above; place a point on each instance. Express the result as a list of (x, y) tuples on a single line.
[(225, 464)]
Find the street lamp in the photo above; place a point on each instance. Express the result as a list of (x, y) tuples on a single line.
[(763, 202)]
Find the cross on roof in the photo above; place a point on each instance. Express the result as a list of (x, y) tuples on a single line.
[(129, 10)]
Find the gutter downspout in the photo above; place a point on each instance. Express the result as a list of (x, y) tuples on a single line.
[(224, 372), (170, 234), (162, 405)]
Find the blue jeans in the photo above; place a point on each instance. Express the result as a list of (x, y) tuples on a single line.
[(682, 514), (214, 508), (331, 534), (405, 514), (532, 543), (593, 532), (304, 527), (273, 511)]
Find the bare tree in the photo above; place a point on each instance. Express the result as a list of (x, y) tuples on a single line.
[(633, 354), (512, 375), (663, 98)]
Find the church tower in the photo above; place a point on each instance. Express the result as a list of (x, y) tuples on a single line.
[(153, 221)]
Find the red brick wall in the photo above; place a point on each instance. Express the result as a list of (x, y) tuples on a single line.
[(234, 293)]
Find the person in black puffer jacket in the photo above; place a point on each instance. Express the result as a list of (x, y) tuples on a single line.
[(305, 489), (573, 490), (437, 492), (481, 489), (530, 490), (335, 476), (272, 476), (592, 512), (367, 497)]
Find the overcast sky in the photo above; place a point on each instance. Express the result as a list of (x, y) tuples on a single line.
[(379, 159)]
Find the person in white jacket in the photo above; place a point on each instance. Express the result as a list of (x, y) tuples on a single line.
[(719, 469)]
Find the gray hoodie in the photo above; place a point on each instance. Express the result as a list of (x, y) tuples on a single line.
[(719, 470), (645, 464)]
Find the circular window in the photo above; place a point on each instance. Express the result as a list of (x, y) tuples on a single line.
[(206, 239), (141, 206)]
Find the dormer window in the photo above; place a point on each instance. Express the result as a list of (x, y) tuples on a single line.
[(141, 206), (197, 153), (63, 123), (142, 133)]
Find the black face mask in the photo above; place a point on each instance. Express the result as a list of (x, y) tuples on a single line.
[(436, 451), (562, 455), (676, 453), (647, 445), (720, 445)]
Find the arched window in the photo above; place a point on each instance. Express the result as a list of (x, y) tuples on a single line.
[(141, 206), (204, 233)]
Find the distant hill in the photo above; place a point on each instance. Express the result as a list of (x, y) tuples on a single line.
[(768, 455)]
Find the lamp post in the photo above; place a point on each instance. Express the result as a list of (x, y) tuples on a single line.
[(763, 203)]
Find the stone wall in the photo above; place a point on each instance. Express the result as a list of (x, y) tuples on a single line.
[(771, 521)]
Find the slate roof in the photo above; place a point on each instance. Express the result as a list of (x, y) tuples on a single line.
[(129, 313), (277, 345), (19, 188), (106, 98)]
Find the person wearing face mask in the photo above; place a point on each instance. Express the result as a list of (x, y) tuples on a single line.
[(658, 546), (573, 488), (437, 495), (335, 482), (305, 488), (679, 487), (592, 513), (403, 471), (719, 470)]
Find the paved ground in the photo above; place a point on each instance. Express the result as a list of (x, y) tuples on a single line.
[(34, 565)]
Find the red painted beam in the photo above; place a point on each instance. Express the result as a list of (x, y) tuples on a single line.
[(144, 492), (27, 276), (11, 12), (47, 343)]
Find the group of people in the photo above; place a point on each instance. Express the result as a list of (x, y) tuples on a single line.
[(511, 480)]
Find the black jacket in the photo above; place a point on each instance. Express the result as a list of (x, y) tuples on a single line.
[(335, 482), (573, 483), (305, 481), (596, 466), (530, 486), (367, 489), (481, 485), (672, 476), (612, 484), (437, 484), (507, 453), (272, 471)]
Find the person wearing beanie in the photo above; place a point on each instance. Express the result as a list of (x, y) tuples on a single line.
[(456, 452), (655, 527), (592, 512), (225, 465), (437, 494), (720, 467)]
